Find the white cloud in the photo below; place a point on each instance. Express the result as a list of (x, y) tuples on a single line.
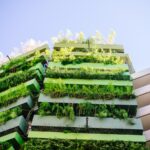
[(3, 59), (24, 47)]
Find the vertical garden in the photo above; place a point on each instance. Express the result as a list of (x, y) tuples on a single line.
[(20, 82), (80, 99)]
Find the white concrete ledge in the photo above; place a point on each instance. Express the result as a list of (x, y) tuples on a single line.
[(140, 74), (147, 135), (146, 122), (141, 78), (143, 111), (143, 90), (143, 100), (144, 114)]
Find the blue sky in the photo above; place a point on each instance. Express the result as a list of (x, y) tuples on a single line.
[(21, 20)]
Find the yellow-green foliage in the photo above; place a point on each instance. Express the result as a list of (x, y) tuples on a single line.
[(13, 94)]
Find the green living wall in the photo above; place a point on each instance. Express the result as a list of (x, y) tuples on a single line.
[(80, 98)]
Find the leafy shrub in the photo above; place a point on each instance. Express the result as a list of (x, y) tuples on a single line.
[(60, 89), (66, 57), (51, 144), (20, 64), (96, 59), (16, 78), (56, 109), (112, 111), (9, 96), (81, 109), (12, 63), (9, 114), (5, 145), (86, 73)]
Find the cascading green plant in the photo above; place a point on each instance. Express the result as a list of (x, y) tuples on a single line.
[(60, 89), (20, 64), (66, 57), (11, 95), (44, 109), (84, 73), (66, 144), (12, 63), (59, 110), (85, 109), (5, 145), (17, 78), (82, 109), (103, 112), (9, 114), (111, 111), (68, 111)]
